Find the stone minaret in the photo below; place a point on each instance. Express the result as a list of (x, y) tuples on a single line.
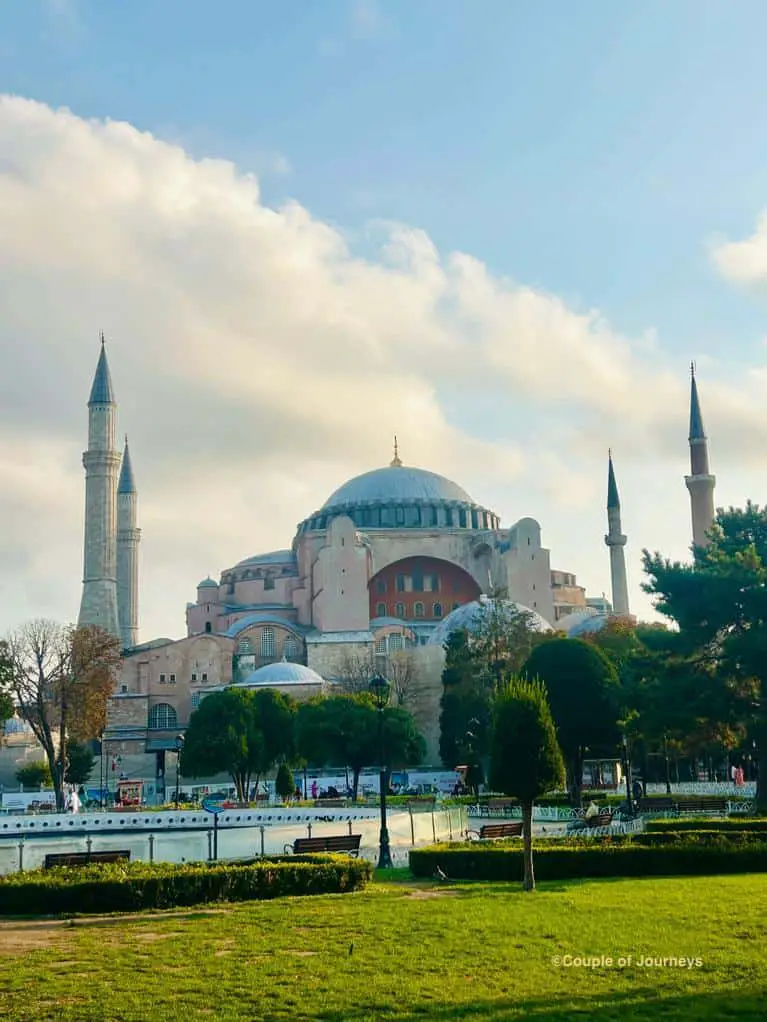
[(699, 482), (616, 541), (128, 538), (102, 463)]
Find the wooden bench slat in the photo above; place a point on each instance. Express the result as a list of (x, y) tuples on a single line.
[(490, 831), (333, 843), (84, 858)]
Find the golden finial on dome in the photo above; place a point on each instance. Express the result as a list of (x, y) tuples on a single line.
[(395, 462)]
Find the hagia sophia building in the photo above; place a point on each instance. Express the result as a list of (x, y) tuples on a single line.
[(393, 561)]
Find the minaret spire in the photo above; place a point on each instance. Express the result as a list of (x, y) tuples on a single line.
[(102, 462), (616, 542), (128, 539), (395, 462), (700, 482)]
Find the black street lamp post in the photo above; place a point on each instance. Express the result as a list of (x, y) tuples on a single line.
[(179, 747), (379, 686), (627, 769)]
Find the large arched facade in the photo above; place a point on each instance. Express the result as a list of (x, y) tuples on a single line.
[(420, 590)]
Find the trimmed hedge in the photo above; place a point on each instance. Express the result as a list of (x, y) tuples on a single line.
[(729, 824), (130, 887), (560, 861)]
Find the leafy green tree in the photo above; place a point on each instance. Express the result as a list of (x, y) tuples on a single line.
[(526, 760), (584, 695), (34, 775), (80, 763), (342, 731), (284, 784), (241, 733), (719, 603)]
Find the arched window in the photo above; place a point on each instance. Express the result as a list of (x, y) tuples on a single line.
[(162, 717), (437, 610), (418, 610), (208, 627), (244, 646), (290, 649), (380, 610), (267, 642), (399, 609)]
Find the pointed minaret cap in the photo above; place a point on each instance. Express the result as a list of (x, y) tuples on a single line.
[(101, 391), (613, 500), (126, 483), (697, 431), (395, 462)]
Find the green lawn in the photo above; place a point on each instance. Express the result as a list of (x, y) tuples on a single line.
[(404, 951)]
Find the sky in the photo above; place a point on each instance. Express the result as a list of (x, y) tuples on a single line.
[(501, 230)]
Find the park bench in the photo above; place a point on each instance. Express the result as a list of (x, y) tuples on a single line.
[(329, 803), (582, 822), (709, 806), (649, 804), (335, 843), (490, 831), (83, 858)]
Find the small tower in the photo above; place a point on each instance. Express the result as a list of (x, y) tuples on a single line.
[(616, 541), (128, 539), (699, 482), (102, 463)]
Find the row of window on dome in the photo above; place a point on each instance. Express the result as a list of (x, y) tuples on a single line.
[(410, 516)]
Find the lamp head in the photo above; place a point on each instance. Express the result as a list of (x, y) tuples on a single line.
[(179, 743), (379, 686)]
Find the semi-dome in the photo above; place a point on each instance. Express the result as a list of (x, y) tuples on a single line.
[(469, 616), (273, 557), (582, 622), (400, 483), (282, 673)]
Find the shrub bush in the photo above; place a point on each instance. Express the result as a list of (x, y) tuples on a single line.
[(716, 823), (576, 859), (125, 887)]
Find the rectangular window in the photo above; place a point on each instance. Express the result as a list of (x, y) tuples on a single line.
[(432, 516), (399, 515), (381, 586), (204, 676), (195, 700), (417, 582), (395, 643), (162, 679), (194, 676), (400, 583), (435, 583), (173, 679), (268, 582), (462, 518), (381, 647)]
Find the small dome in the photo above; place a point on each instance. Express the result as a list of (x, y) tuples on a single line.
[(207, 583), (273, 557), (282, 673), (469, 615), (397, 483), (582, 622)]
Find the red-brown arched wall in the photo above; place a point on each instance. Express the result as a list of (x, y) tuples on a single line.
[(437, 586)]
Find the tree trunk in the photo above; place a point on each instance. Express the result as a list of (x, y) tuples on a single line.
[(528, 879), (760, 762), (355, 782), (58, 773)]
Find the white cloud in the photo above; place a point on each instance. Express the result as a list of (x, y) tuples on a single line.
[(744, 262), (259, 361)]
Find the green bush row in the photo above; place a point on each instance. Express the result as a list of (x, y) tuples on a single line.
[(126, 887), (589, 859), (728, 824)]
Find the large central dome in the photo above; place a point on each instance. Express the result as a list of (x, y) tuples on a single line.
[(399, 483)]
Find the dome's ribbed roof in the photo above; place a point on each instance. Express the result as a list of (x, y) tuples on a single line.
[(282, 673), (581, 622), (397, 482)]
